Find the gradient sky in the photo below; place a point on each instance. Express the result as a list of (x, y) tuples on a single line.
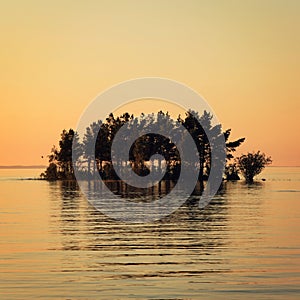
[(243, 57)]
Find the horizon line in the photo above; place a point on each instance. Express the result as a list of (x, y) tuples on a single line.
[(22, 166), (45, 166)]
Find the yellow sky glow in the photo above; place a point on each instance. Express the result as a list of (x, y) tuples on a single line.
[(242, 56)]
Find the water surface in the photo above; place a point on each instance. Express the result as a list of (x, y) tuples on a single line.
[(245, 244)]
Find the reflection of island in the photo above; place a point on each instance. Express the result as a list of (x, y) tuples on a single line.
[(189, 242), (66, 212), (83, 227)]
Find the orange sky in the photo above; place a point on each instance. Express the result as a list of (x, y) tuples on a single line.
[(243, 57)]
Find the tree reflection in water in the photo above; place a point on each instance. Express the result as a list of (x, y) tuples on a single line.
[(82, 227)]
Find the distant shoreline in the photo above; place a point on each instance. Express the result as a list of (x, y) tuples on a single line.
[(44, 167), (23, 167)]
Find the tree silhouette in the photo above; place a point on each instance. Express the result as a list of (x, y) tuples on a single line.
[(232, 172), (94, 153), (61, 159), (89, 146), (199, 133), (231, 146), (251, 164)]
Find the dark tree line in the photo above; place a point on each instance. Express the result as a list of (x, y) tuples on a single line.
[(98, 159)]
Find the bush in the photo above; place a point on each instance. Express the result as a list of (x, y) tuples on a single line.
[(251, 164)]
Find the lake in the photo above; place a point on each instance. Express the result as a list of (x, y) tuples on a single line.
[(244, 244)]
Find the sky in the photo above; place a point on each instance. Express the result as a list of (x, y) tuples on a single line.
[(243, 57)]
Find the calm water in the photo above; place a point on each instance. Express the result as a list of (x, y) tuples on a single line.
[(245, 244)]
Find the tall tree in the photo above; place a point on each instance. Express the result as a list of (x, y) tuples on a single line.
[(90, 145), (231, 146), (62, 157)]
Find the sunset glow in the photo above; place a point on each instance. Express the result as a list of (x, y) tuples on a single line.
[(241, 56)]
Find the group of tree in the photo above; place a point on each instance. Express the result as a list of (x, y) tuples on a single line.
[(94, 154)]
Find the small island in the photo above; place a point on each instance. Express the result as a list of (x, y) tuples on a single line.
[(96, 156)]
